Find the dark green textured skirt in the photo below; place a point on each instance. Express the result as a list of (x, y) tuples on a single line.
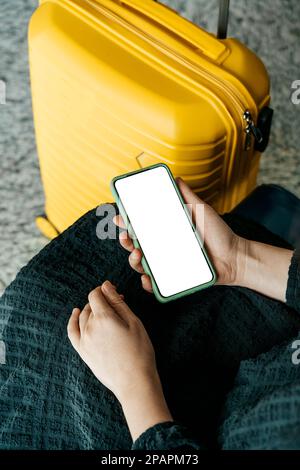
[(50, 400)]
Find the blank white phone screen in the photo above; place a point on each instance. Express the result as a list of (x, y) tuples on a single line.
[(165, 235)]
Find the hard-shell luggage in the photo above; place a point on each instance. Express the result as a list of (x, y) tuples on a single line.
[(122, 84)]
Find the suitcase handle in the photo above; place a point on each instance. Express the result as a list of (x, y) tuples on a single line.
[(223, 19), (190, 33)]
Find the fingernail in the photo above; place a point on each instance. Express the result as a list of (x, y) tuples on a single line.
[(110, 285)]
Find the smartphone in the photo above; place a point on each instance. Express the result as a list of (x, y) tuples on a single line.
[(161, 227)]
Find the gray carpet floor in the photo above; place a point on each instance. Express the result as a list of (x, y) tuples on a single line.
[(270, 27)]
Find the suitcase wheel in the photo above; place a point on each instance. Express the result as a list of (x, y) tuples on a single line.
[(45, 226)]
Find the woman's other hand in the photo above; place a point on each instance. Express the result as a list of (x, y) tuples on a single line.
[(114, 344)]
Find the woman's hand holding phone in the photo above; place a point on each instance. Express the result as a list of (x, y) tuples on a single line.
[(222, 244), (237, 261)]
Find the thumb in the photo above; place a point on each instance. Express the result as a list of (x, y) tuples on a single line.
[(116, 301)]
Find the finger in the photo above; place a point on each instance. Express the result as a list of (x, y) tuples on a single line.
[(135, 260), (196, 206), (118, 220), (84, 316), (117, 303), (188, 194), (73, 328), (98, 302), (125, 241), (146, 283)]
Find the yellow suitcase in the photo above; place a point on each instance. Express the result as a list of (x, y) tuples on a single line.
[(122, 84)]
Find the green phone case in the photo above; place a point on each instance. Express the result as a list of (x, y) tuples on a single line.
[(130, 229)]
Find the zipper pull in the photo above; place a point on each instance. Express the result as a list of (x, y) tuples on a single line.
[(250, 130)]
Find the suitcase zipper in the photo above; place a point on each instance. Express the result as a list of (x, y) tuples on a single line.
[(236, 97), (251, 129)]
